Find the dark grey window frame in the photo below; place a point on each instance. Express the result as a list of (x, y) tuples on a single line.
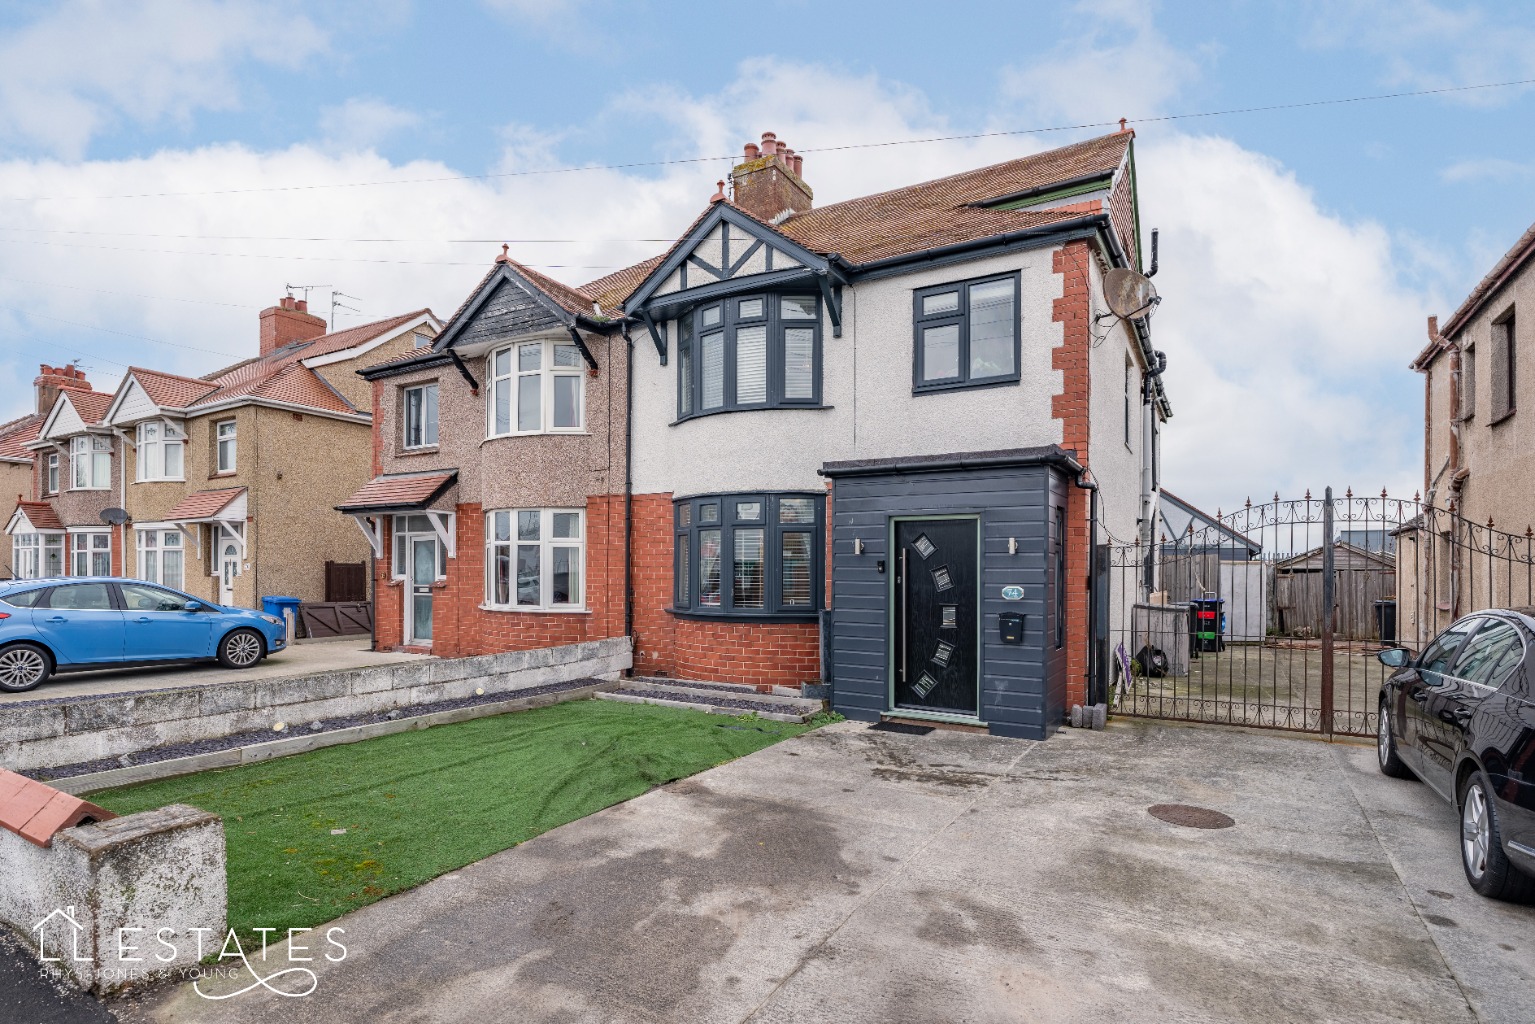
[(961, 317), (690, 335), (685, 538)]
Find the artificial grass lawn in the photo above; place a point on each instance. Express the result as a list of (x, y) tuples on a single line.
[(417, 804)]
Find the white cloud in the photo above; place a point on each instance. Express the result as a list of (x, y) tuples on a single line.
[(1288, 327), (88, 64), (1427, 45), (1487, 169), (363, 123), (1122, 66)]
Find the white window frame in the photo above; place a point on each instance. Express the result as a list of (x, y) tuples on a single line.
[(51, 479), (153, 544), (27, 556), (507, 385), (83, 551), (154, 439), (220, 440), (90, 455), (405, 416), (546, 544), (402, 534)]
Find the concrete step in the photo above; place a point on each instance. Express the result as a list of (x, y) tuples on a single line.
[(706, 692), (715, 705)]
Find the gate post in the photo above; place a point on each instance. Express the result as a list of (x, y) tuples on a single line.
[(1329, 612)]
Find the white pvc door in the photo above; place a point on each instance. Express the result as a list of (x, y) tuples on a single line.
[(418, 603), (229, 568)]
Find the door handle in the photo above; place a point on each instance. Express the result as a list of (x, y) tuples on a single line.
[(1418, 697), (142, 618), (58, 618), (905, 613)]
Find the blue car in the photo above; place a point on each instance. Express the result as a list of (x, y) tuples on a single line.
[(76, 623)]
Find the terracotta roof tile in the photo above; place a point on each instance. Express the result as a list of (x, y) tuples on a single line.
[(169, 390), (91, 405), (15, 435), (915, 218), (203, 504), (404, 490), (41, 514)]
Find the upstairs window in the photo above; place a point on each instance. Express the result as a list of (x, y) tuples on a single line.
[(421, 416), (51, 473), (744, 555), (90, 463), (1504, 365), (966, 334), (535, 388), (160, 451), (224, 440), (749, 352)]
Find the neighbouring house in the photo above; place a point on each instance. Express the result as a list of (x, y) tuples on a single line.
[(871, 442), (1478, 369), (224, 473), (73, 476), (496, 511)]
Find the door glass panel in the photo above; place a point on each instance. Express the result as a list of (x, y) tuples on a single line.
[(421, 617), (940, 352), (1436, 660), (151, 599), (423, 563), (81, 597), (1490, 654)]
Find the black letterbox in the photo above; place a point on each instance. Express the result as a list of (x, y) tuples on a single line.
[(1012, 628)]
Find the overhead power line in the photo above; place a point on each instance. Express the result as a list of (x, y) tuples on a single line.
[(305, 238), (636, 164)]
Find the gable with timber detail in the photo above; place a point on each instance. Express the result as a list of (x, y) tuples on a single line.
[(725, 253)]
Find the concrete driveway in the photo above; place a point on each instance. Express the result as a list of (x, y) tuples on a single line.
[(851, 875), (300, 659)]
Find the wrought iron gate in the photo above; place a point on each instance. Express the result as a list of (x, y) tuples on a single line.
[(1271, 616)]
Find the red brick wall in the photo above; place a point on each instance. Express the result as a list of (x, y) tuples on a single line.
[(759, 654), (1072, 312), (461, 627)]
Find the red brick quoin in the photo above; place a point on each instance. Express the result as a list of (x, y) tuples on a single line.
[(1071, 357)]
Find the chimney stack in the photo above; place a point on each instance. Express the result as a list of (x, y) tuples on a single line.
[(769, 183), (51, 380), (288, 321)]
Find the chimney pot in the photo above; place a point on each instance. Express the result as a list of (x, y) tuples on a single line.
[(302, 305), (799, 163), (769, 144), (288, 321), (760, 190), (752, 152)]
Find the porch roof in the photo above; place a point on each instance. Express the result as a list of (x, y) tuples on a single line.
[(399, 492), (226, 504), (36, 515)]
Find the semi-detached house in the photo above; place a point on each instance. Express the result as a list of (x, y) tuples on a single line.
[(859, 442), (225, 477)]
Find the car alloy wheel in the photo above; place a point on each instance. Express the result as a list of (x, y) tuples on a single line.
[(1383, 736), (1475, 831), (22, 668), (243, 650)]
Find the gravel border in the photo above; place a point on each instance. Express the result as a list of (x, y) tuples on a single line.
[(761, 707), (720, 687), (245, 739)]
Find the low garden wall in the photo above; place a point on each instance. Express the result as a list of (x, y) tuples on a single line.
[(74, 731), (120, 901)]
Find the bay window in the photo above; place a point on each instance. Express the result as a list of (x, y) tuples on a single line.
[(90, 463), (224, 432), (160, 449), (535, 388), (90, 554), (421, 416), (161, 557), (749, 352), (966, 334), (745, 555), (535, 559)]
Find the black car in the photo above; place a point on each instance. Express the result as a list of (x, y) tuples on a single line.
[(1461, 717)]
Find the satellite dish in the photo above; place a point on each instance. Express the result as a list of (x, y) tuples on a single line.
[(1130, 295), (114, 516)]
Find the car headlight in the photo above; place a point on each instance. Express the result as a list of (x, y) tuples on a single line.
[(274, 620)]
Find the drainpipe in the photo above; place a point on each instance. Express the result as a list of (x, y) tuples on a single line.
[(1458, 472), (1086, 482), (628, 488)]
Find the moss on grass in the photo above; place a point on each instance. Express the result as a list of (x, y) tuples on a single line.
[(418, 804)]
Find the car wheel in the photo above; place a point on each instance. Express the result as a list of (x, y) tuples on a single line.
[(1385, 748), (23, 667), (241, 649), (1481, 846)]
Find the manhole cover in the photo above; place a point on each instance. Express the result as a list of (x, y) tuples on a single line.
[(1191, 817)]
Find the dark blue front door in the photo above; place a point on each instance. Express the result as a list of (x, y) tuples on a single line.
[(936, 640)]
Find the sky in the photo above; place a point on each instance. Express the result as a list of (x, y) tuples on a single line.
[(168, 168)]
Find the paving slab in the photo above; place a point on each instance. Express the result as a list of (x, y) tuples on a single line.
[(849, 875)]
